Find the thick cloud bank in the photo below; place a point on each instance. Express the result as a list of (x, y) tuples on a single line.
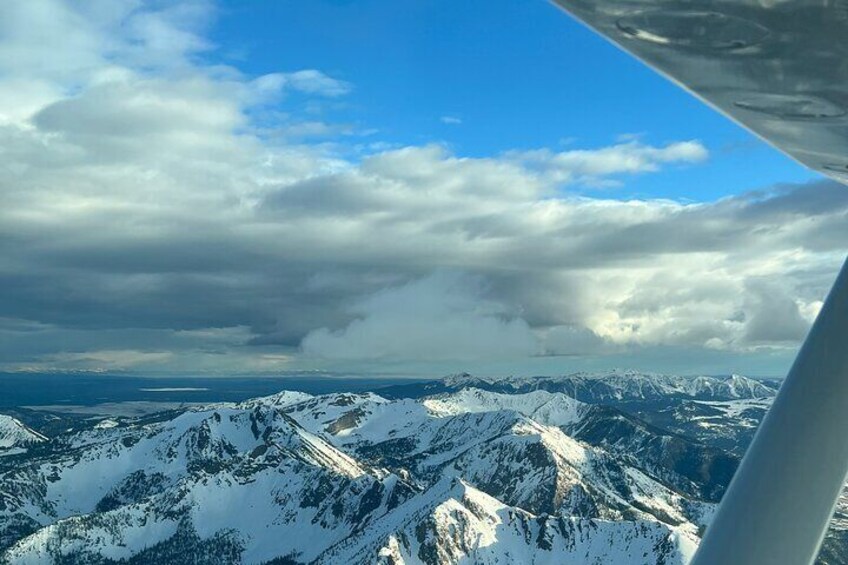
[(161, 211), (441, 317)]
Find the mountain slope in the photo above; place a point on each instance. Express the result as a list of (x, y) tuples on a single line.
[(297, 479), (696, 469), (474, 436), (15, 437), (111, 493), (456, 523)]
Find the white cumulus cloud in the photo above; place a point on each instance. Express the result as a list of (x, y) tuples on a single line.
[(167, 209), (443, 316)]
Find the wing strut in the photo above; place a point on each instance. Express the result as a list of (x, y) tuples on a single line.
[(781, 499)]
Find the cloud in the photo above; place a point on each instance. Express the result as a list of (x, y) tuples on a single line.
[(574, 340), (450, 120), (591, 166), (312, 81), (443, 316), (105, 360), (309, 81), (773, 317), (150, 204)]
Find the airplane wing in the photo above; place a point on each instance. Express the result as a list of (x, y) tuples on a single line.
[(780, 69), (777, 67)]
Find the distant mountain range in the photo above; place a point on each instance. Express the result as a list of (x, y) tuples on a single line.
[(612, 386), (462, 470)]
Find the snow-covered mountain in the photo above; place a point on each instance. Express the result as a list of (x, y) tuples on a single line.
[(626, 386), (457, 523), (15, 437), (473, 477), (239, 477), (600, 388), (721, 412), (524, 461), (544, 407), (477, 471), (691, 467)]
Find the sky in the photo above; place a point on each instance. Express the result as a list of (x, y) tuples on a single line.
[(397, 188)]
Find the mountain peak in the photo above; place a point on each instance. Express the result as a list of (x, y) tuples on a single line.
[(15, 436)]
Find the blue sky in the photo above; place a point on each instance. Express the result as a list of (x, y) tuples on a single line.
[(213, 187), (518, 74)]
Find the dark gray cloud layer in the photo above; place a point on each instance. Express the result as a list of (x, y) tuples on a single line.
[(146, 221)]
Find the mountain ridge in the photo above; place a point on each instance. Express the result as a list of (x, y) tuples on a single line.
[(520, 474), (601, 387)]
